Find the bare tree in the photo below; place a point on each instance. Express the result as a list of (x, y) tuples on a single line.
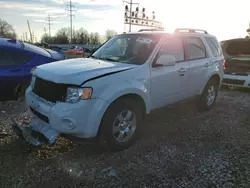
[(62, 36), (94, 38), (110, 33), (82, 36), (47, 39), (6, 30)]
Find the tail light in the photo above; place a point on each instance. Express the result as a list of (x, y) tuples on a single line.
[(224, 65)]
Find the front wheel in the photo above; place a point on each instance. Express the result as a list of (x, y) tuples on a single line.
[(120, 124), (209, 96)]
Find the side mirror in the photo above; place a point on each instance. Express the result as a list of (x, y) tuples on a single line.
[(166, 60)]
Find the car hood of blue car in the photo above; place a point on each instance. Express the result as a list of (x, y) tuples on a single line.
[(78, 71)]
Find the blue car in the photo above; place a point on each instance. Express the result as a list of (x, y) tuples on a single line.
[(16, 61)]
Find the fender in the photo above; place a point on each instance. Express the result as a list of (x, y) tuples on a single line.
[(121, 89), (210, 75)]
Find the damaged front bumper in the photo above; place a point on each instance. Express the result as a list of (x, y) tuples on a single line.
[(36, 132)]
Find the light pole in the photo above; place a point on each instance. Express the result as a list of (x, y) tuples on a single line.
[(130, 11), (140, 18)]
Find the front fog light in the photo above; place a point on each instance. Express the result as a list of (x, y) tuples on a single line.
[(76, 94)]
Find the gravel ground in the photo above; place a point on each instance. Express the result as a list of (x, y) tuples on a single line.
[(178, 147)]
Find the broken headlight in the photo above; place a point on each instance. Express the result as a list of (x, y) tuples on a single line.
[(76, 94)]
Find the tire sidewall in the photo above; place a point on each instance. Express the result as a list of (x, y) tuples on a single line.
[(106, 129), (203, 100)]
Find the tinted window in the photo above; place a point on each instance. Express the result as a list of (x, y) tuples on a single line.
[(173, 46), (195, 48), (214, 46), (8, 57)]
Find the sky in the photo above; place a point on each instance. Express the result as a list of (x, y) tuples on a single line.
[(224, 19)]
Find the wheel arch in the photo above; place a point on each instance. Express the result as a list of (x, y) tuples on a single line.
[(129, 96), (215, 77)]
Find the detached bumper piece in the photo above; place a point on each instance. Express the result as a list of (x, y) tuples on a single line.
[(36, 133)]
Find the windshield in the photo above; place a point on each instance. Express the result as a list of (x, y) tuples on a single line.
[(128, 48)]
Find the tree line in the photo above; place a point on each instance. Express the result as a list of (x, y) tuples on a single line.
[(79, 36), (62, 36), (6, 30)]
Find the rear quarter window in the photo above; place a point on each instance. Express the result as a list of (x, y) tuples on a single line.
[(214, 46), (11, 57)]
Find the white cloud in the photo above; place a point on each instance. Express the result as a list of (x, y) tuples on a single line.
[(18, 6), (100, 2), (35, 15), (60, 1), (93, 14), (56, 11), (40, 21)]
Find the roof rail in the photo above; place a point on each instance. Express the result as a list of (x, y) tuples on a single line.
[(190, 30), (141, 30)]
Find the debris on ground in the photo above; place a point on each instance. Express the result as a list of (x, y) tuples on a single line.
[(178, 147)]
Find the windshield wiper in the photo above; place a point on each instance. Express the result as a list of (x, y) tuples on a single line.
[(109, 59), (93, 57)]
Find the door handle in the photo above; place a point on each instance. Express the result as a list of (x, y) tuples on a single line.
[(182, 70)]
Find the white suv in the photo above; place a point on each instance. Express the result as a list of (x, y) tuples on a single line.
[(108, 94)]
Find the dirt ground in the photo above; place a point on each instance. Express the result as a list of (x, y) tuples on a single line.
[(178, 147)]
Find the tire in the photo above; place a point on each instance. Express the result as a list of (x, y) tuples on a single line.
[(111, 127), (203, 103)]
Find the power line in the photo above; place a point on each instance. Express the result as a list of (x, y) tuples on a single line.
[(71, 9)]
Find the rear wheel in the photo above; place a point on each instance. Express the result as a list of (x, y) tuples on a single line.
[(120, 124), (209, 95)]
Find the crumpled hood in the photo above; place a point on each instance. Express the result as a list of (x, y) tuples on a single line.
[(77, 71)]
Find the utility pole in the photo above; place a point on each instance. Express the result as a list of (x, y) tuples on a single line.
[(49, 20), (130, 13), (34, 36), (31, 39), (26, 36), (71, 9)]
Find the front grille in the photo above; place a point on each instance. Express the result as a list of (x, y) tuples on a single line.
[(234, 82), (39, 115), (50, 91)]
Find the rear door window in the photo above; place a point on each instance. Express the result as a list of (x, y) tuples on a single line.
[(11, 57), (195, 48), (214, 46)]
